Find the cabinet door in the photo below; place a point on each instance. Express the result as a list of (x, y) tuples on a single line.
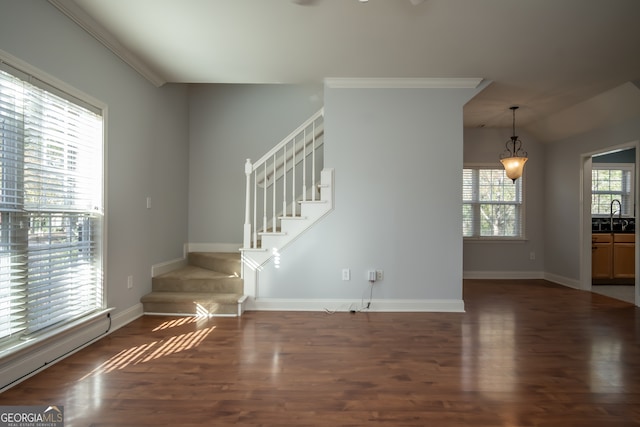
[(624, 260), (601, 260)]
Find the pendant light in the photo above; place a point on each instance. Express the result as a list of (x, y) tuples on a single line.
[(513, 157)]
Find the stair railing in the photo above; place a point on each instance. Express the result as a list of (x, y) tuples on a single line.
[(280, 178)]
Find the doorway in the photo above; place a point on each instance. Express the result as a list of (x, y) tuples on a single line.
[(599, 218)]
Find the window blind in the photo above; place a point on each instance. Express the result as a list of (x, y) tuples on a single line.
[(51, 180), (491, 204)]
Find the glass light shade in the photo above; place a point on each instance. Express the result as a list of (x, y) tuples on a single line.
[(514, 166)]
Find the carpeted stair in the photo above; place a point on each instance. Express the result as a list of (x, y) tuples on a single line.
[(210, 285)]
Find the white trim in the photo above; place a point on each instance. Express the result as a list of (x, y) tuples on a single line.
[(14, 370), (502, 275), (153, 313), (126, 316), (214, 247), (586, 163), (167, 266), (476, 203), (24, 363), (54, 82), (564, 281), (401, 83), (339, 305), (91, 26)]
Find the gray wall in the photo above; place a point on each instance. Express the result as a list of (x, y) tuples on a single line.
[(229, 124), (147, 146), (562, 194), (397, 155), (509, 259)]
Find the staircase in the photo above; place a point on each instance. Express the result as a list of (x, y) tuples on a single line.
[(289, 227), (210, 285), (287, 191)]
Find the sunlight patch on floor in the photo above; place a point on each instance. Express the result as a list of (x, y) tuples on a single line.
[(150, 351)]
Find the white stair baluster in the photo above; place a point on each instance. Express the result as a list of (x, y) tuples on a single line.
[(255, 210), (284, 181), (304, 164), (264, 199), (273, 193), (247, 220), (313, 161), (294, 211)]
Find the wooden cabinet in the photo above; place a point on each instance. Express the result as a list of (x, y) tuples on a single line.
[(601, 255), (613, 256), (624, 251)]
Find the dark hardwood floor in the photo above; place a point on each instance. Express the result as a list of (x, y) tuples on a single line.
[(525, 353)]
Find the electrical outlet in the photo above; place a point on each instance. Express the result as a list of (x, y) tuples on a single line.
[(129, 282), (379, 275), (346, 274), (532, 255)]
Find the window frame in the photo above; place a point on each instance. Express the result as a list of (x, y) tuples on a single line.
[(629, 206), (37, 78), (521, 207)]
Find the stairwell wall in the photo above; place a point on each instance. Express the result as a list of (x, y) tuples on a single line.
[(398, 156)]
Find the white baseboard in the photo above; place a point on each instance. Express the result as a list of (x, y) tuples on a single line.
[(515, 275), (564, 281), (333, 305), (501, 275), (126, 316), (214, 247)]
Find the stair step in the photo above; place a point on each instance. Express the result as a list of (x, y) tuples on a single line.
[(311, 201), (223, 262), (192, 303), (272, 233), (209, 286), (197, 279)]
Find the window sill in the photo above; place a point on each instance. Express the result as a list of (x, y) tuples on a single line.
[(22, 347), (495, 239)]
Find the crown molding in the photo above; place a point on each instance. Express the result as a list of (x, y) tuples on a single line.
[(402, 83), (91, 26)]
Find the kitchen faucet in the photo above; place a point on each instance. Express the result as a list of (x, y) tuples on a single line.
[(611, 212)]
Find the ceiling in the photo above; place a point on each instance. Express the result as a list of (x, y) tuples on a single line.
[(553, 58)]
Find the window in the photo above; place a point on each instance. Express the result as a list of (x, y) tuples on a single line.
[(492, 205), (612, 182), (50, 208)]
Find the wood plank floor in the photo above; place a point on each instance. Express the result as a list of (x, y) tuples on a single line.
[(525, 353)]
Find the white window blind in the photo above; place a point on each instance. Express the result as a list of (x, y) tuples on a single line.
[(491, 204), (51, 180)]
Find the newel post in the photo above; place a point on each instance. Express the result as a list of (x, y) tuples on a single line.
[(248, 167)]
